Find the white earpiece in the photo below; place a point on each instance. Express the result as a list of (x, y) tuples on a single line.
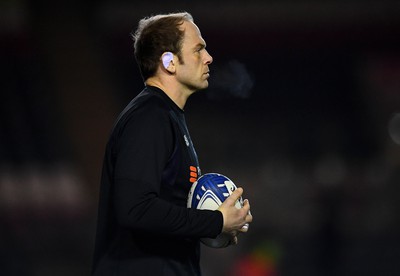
[(167, 57)]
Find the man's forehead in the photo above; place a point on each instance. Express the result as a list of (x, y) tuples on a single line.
[(192, 32)]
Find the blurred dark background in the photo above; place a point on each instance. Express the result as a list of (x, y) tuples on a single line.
[(303, 111)]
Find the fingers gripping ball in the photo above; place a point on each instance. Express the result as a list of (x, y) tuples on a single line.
[(208, 193)]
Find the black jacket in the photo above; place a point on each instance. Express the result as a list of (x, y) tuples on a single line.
[(144, 227)]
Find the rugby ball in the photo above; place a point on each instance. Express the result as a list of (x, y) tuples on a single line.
[(208, 193)]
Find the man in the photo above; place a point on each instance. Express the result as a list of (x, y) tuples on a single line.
[(144, 227)]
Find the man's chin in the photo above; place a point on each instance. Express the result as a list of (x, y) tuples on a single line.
[(200, 87), (204, 86)]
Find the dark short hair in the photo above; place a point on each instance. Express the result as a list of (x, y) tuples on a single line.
[(156, 35)]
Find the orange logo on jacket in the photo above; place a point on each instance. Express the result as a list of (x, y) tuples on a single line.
[(193, 174)]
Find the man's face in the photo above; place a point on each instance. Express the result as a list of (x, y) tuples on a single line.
[(192, 72)]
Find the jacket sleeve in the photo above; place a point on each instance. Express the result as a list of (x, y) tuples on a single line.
[(142, 150)]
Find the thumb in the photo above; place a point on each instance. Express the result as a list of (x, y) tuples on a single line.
[(236, 194)]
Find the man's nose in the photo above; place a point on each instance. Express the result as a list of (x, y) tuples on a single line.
[(209, 59)]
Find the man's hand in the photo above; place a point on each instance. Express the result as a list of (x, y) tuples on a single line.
[(235, 220)]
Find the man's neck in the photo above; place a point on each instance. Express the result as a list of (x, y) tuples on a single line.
[(172, 92)]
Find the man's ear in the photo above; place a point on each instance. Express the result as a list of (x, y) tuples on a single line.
[(168, 61)]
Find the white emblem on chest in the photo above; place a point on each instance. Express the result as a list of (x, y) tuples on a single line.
[(186, 140)]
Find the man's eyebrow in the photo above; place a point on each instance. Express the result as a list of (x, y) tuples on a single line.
[(200, 45)]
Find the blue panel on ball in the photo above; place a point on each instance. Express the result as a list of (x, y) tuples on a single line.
[(209, 183)]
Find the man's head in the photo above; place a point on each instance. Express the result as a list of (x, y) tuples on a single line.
[(156, 35)]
